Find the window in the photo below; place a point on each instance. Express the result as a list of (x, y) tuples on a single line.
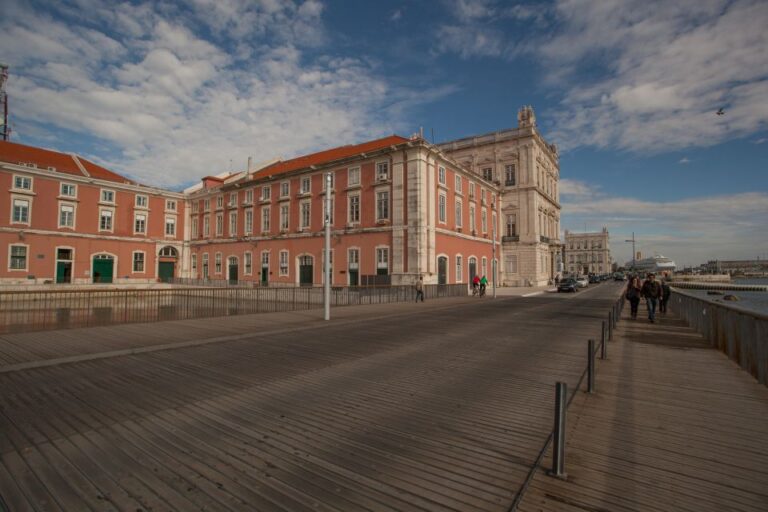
[(493, 224), (194, 264), (141, 201), (265, 259), (232, 223), (306, 185), (304, 218), (206, 226), (472, 217), (509, 174), (219, 224), (249, 196), (248, 262), (284, 188), (382, 257), (232, 199), (382, 205), (458, 184), (139, 223), (265, 219), (510, 264), (511, 225), (105, 220), (217, 263), (471, 190), (458, 268), (354, 176), (22, 183), (248, 221), (441, 175), (484, 220), (205, 265), (441, 208), (219, 202), (284, 217), (18, 259), (488, 174), (283, 263), (382, 171), (354, 209), (138, 261), (170, 205), (266, 193), (195, 206), (20, 211), (354, 258), (195, 232), (207, 205), (107, 196), (170, 226), (484, 267), (333, 180), (458, 214), (328, 215), (68, 190)]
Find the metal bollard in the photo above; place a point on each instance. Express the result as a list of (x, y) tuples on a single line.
[(603, 344), (610, 331), (591, 366), (558, 450)]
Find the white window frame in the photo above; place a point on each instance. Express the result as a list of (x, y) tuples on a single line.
[(283, 259), (266, 212), (353, 220), (441, 175), (484, 267), (219, 224), (353, 176), (248, 263), (141, 201), (333, 207), (233, 199), (74, 214), (143, 262), (484, 220), (193, 264), (379, 217), (353, 263), (382, 250), (170, 221), (207, 225), (382, 170), (205, 266), (471, 190), (195, 228), (171, 205), (23, 180), (471, 218), (458, 183), (248, 196), (207, 204), (305, 214), (27, 209), (73, 188), (285, 217), (305, 185), (248, 221), (107, 196), (266, 193), (217, 263), (458, 213), (26, 258), (111, 216), (442, 208), (232, 224), (285, 189), (459, 268), (219, 202)]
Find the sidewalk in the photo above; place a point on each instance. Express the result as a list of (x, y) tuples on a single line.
[(673, 425)]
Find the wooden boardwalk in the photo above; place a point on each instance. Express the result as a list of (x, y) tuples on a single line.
[(674, 425)]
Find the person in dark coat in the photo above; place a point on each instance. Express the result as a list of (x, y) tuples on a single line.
[(665, 293), (632, 294), (652, 292), (420, 289)]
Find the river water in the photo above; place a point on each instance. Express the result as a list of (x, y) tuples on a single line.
[(754, 301)]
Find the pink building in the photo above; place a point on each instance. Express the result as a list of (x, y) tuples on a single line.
[(400, 209), (68, 220)]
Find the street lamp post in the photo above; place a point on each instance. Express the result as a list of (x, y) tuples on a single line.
[(633, 250), (327, 269)]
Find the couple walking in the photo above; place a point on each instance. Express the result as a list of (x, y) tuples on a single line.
[(654, 292)]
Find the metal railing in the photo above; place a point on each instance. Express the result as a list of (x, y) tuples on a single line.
[(22, 311), (563, 402), (739, 333)]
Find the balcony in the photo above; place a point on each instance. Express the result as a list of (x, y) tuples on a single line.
[(510, 238), (544, 239), (509, 183)]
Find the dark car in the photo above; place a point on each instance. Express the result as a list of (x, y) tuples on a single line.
[(568, 285), (594, 279)]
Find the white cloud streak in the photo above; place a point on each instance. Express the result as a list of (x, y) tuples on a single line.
[(178, 105)]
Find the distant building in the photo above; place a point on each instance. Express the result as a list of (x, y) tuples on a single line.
[(587, 253), (736, 266)]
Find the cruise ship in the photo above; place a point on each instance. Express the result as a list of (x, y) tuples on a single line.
[(657, 263)]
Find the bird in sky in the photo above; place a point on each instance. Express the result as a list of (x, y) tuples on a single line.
[(720, 112)]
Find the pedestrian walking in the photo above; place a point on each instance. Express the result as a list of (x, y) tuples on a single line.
[(652, 292), (420, 289), (665, 293), (557, 279), (632, 294)]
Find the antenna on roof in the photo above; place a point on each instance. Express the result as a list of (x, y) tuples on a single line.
[(5, 130)]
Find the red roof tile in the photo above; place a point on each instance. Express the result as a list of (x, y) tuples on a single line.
[(329, 155), (14, 153)]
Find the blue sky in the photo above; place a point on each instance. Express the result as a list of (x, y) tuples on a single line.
[(167, 92)]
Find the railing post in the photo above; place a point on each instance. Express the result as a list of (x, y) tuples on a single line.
[(610, 329), (558, 450), (591, 366), (603, 348)]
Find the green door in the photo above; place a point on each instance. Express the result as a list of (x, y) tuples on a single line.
[(264, 276), (306, 270), (353, 277), (166, 270), (103, 269), (233, 273), (63, 271)]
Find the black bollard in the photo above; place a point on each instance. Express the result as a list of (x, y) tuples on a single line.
[(603, 344), (591, 366), (558, 451)]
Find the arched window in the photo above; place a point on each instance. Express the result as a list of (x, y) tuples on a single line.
[(169, 252)]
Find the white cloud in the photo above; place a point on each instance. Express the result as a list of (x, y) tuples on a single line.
[(761, 140), (689, 230), (664, 69), (684, 161), (177, 105), (396, 15), (576, 188)]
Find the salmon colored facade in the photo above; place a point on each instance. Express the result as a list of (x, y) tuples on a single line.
[(64, 220)]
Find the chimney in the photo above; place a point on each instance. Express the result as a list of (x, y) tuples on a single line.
[(250, 163)]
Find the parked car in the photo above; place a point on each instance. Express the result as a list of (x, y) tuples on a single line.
[(568, 285), (582, 282), (618, 276), (594, 279)]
